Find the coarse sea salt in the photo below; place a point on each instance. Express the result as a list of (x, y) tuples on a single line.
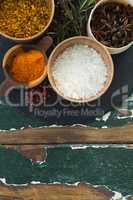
[(80, 72)]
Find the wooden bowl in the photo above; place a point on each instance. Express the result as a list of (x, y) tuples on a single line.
[(89, 30), (51, 4), (92, 44), (7, 62), (9, 82)]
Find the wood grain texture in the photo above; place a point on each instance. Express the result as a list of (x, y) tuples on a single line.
[(76, 135), (36, 153), (54, 192)]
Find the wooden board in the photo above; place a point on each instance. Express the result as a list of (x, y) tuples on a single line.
[(54, 192), (58, 136), (103, 165), (98, 165), (68, 135)]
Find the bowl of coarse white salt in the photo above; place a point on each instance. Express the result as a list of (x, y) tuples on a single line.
[(80, 69)]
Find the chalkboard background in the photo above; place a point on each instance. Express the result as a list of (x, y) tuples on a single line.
[(111, 166), (18, 117)]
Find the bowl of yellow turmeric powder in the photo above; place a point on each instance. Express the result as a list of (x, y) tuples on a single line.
[(24, 20), (25, 65)]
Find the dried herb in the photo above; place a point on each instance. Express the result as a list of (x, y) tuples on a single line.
[(112, 24), (23, 18), (71, 17)]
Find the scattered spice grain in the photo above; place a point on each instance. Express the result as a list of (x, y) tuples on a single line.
[(23, 18)]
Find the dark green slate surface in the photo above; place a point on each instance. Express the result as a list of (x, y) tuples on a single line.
[(110, 166), (73, 113)]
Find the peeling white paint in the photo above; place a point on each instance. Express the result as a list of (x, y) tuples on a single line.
[(117, 195), (104, 127), (22, 128), (73, 147), (13, 129), (124, 117), (81, 125), (3, 180), (98, 119), (108, 145), (35, 182), (106, 116), (40, 127)]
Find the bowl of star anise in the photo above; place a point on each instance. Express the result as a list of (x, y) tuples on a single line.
[(111, 24)]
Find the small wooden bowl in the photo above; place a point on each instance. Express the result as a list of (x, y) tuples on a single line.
[(92, 44), (89, 29), (9, 82), (7, 62), (51, 4)]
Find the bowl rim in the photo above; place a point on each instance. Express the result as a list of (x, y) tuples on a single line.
[(105, 87), (36, 35), (31, 84), (89, 29)]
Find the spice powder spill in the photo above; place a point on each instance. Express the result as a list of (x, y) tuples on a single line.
[(112, 24), (79, 72), (23, 18), (28, 66)]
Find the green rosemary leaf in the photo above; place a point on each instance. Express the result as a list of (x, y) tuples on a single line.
[(70, 18), (86, 4)]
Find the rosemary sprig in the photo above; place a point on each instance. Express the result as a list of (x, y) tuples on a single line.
[(86, 4), (70, 18)]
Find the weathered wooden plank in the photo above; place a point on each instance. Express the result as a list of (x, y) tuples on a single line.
[(33, 152), (54, 192), (130, 198), (68, 135)]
